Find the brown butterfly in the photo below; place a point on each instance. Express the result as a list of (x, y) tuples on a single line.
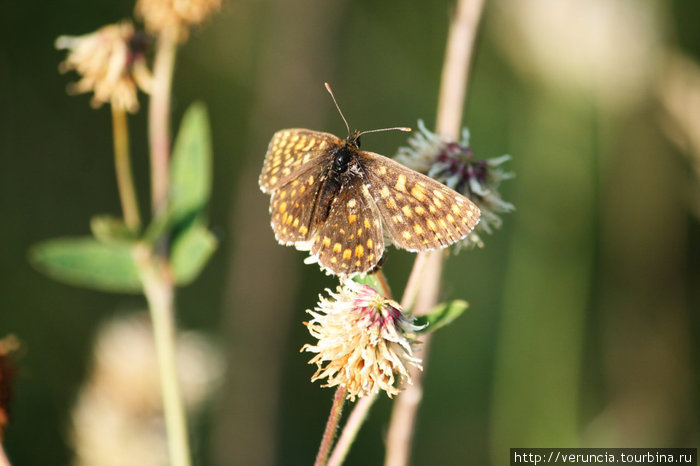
[(337, 201)]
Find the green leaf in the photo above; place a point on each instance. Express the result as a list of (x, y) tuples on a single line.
[(190, 170), (369, 279), (190, 252), (443, 314), (109, 229), (159, 226), (89, 263)]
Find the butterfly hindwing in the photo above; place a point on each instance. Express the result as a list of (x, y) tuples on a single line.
[(291, 153), (351, 240), (419, 213)]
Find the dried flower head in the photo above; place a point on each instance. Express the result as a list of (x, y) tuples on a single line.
[(112, 64), (178, 15), (364, 341), (453, 164), (118, 416), (8, 345)]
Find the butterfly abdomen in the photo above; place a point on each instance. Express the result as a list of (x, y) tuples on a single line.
[(342, 158), (328, 193)]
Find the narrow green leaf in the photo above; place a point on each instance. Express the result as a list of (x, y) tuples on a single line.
[(110, 229), (190, 252), (443, 314), (89, 263), (190, 169)]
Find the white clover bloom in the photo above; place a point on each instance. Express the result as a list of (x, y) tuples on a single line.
[(159, 15), (111, 63), (365, 342)]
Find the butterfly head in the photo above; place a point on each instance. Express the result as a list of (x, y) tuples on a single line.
[(353, 139)]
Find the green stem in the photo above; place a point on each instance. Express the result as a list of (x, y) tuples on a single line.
[(159, 117), (122, 166), (159, 294), (331, 427), (157, 280)]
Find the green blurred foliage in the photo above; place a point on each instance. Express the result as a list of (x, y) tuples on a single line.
[(582, 322)]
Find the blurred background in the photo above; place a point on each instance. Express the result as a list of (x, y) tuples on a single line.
[(583, 321)]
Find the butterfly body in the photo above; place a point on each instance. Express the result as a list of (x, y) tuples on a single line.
[(337, 201)]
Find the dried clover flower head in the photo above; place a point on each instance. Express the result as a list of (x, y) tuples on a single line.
[(364, 342), (159, 15), (111, 62), (118, 416), (453, 164)]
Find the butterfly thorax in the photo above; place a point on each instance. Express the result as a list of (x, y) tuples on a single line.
[(345, 153), (344, 158)]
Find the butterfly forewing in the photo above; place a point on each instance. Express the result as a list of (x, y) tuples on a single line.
[(291, 153), (419, 213), (351, 240), (292, 207)]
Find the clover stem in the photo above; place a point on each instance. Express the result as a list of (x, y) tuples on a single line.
[(453, 88), (383, 284), (331, 427), (122, 165), (159, 117), (154, 266), (159, 293), (352, 427)]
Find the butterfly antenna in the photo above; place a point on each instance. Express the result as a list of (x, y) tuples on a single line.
[(330, 91), (405, 129)]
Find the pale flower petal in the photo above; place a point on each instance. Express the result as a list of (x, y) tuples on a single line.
[(110, 65), (159, 15), (365, 342)]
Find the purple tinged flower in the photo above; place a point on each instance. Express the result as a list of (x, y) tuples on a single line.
[(453, 164), (365, 341)]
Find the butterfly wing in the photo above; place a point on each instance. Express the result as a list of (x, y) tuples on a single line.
[(291, 153), (292, 207), (351, 240), (419, 213)]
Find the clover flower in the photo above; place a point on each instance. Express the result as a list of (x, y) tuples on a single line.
[(111, 62), (159, 15), (364, 342), (118, 417), (453, 164)]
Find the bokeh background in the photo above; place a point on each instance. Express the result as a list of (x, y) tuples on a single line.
[(583, 321)]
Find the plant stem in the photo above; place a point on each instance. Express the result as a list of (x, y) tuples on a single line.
[(453, 86), (154, 267), (383, 284), (158, 289), (455, 71), (331, 427), (352, 427), (122, 166), (159, 117), (413, 284)]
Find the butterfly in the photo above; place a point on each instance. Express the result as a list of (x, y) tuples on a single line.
[(338, 202)]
